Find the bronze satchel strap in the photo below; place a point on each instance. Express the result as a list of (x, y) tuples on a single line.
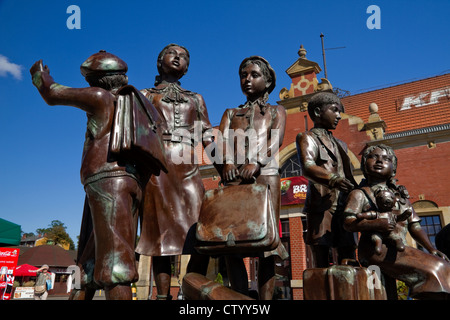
[(237, 182), (176, 138), (109, 174)]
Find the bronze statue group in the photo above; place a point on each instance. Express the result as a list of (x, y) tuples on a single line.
[(129, 174)]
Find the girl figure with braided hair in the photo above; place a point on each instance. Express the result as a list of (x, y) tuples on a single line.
[(172, 200), (427, 274), (249, 162)]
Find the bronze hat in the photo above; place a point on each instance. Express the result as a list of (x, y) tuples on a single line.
[(271, 71), (103, 63)]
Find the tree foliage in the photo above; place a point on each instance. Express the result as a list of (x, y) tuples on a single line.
[(56, 232)]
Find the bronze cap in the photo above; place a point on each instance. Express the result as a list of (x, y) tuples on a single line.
[(103, 63)]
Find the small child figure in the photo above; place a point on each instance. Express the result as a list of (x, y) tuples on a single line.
[(385, 201), (426, 275)]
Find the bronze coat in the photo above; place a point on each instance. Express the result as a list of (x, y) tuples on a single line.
[(172, 200), (316, 149), (262, 118)]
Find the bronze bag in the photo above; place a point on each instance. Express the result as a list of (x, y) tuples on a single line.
[(136, 128), (343, 282), (237, 219)]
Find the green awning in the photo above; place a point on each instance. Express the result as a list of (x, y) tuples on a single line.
[(10, 233)]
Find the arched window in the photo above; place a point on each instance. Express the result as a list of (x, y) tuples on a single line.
[(432, 225), (291, 167)]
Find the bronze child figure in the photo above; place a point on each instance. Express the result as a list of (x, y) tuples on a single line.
[(250, 162), (113, 188), (172, 200), (325, 163), (426, 274)]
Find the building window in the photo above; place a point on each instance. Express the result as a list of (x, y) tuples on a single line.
[(431, 225), (285, 232), (291, 168)]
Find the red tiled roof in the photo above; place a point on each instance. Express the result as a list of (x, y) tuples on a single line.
[(53, 256), (418, 104)]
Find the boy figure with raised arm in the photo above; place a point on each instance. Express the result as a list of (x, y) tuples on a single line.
[(113, 187)]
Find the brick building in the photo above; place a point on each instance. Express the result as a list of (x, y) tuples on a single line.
[(413, 118)]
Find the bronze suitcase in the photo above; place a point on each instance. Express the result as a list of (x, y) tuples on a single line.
[(342, 282), (197, 287), (237, 219)]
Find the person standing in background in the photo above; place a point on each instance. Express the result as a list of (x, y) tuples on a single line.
[(40, 287)]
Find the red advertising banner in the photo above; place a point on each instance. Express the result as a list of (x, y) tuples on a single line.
[(293, 190), (8, 263)]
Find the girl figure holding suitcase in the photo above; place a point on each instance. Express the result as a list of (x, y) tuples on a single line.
[(40, 288), (254, 160)]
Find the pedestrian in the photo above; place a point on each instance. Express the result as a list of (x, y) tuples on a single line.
[(40, 287)]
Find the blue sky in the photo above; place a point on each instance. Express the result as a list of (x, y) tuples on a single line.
[(41, 146)]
